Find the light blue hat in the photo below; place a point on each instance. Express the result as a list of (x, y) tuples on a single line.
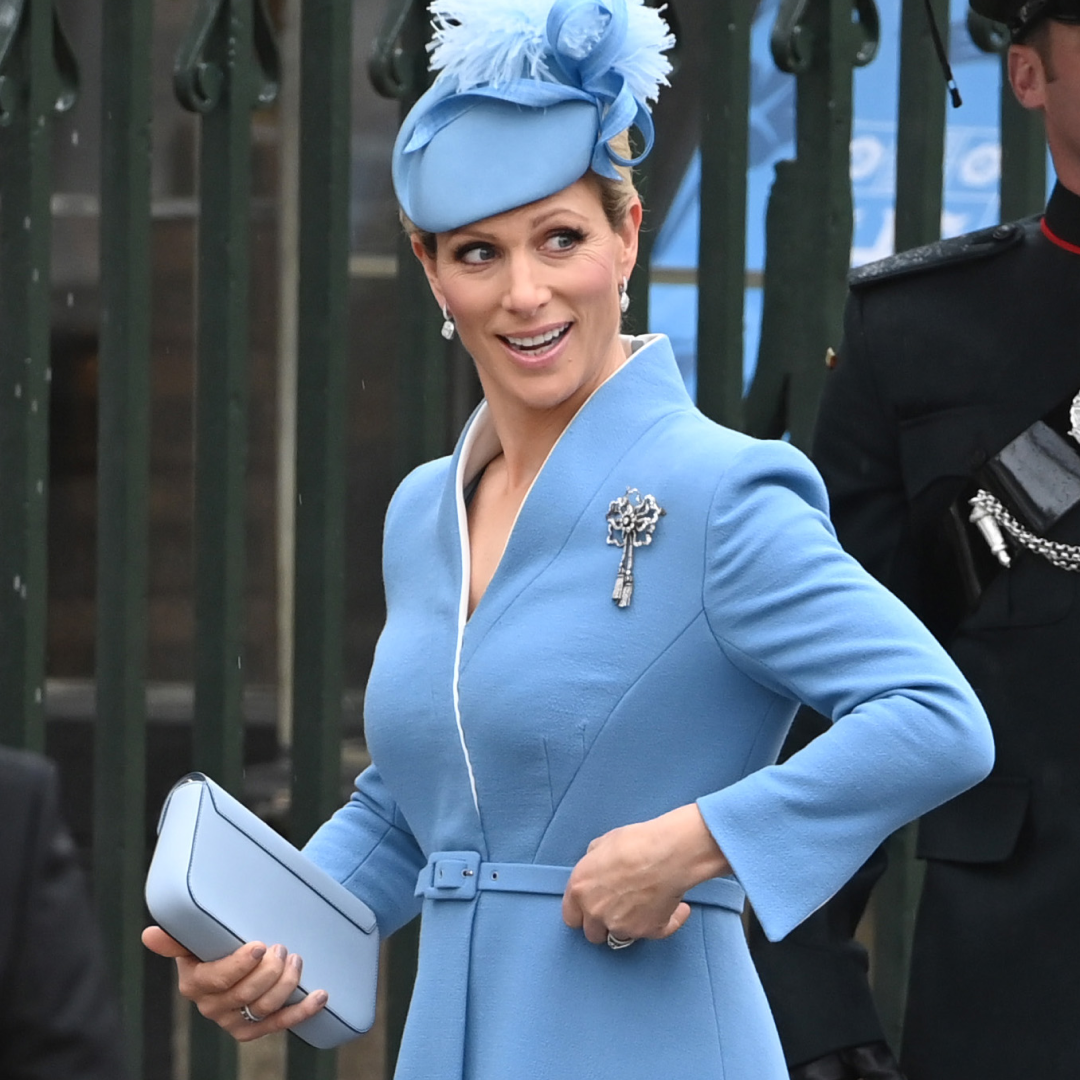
[(530, 92)]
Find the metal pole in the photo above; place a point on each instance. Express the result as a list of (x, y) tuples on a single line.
[(398, 69), (722, 245), (920, 139), (288, 318), (807, 253), (26, 109), (824, 162), (123, 500), (216, 76), (422, 384), (221, 399), (326, 64)]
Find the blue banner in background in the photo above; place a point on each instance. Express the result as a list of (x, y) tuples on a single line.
[(972, 169)]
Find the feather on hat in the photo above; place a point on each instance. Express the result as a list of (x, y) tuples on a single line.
[(528, 97)]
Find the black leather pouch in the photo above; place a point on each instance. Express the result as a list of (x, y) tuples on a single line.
[(1036, 477)]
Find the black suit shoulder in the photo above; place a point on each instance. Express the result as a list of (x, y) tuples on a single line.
[(947, 302), (961, 345), (954, 251)]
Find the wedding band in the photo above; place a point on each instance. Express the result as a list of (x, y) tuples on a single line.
[(251, 1018), (614, 942)]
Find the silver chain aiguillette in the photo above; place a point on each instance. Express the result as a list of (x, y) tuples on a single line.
[(985, 507)]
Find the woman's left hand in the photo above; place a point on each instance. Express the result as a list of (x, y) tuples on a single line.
[(631, 882)]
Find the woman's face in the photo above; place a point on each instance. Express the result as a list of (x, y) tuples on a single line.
[(535, 296)]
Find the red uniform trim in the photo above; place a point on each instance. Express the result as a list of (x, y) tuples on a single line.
[(1057, 239)]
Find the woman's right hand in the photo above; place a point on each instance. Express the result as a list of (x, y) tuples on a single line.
[(254, 976)]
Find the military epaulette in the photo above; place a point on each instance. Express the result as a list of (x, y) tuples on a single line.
[(957, 249)]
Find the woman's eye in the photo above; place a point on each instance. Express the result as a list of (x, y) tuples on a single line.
[(564, 240), (476, 254)]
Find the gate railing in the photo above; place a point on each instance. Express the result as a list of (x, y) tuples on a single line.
[(227, 67), (123, 494)]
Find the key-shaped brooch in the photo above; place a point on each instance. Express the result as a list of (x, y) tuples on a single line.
[(631, 522)]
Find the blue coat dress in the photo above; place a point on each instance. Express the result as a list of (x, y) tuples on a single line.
[(504, 742)]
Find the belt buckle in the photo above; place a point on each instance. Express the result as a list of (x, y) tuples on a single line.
[(453, 875)]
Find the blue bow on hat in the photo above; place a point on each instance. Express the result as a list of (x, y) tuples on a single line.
[(523, 108)]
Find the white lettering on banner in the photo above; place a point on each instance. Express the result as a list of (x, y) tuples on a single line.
[(867, 154), (981, 166)]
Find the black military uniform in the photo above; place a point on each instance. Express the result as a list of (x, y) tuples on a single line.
[(951, 353), (57, 1019)]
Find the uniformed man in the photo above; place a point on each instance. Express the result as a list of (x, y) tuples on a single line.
[(956, 397)]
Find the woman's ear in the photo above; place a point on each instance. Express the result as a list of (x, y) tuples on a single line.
[(628, 232), (1027, 73), (427, 261)]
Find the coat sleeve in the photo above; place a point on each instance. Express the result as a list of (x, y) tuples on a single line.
[(791, 609), (58, 1016), (368, 846), (816, 977)]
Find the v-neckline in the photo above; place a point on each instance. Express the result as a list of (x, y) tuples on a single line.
[(475, 458)]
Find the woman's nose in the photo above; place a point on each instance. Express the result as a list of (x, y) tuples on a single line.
[(526, 291)]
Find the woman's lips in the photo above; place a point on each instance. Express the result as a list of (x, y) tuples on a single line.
[(521, 346)]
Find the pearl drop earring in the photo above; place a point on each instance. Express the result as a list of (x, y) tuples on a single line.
[(624, 297), (448, 324)]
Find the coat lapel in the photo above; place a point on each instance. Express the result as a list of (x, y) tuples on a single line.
[(585, 459)]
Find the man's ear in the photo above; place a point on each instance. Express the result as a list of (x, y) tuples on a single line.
[(1027, 74), (427, 261), (628, 231)]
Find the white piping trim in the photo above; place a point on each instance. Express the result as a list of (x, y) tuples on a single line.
[(479, 433), (471, 438)]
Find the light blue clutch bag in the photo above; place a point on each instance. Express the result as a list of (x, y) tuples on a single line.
[(220, 877)]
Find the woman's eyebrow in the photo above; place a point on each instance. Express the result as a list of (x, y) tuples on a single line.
[(472, 232), (555, 211)]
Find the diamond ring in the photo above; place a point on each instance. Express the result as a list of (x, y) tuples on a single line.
[(614, 942), (251, 1018)]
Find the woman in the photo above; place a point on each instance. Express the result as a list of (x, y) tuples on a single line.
[(524, 716)]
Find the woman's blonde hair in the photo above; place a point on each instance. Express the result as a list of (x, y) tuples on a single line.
[(616, 196)]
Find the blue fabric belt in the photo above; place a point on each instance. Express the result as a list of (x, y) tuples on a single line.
[(435, 1049), (460, 875)]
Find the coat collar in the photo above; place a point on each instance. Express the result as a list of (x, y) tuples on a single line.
[(645, 389), (1061, 223)]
